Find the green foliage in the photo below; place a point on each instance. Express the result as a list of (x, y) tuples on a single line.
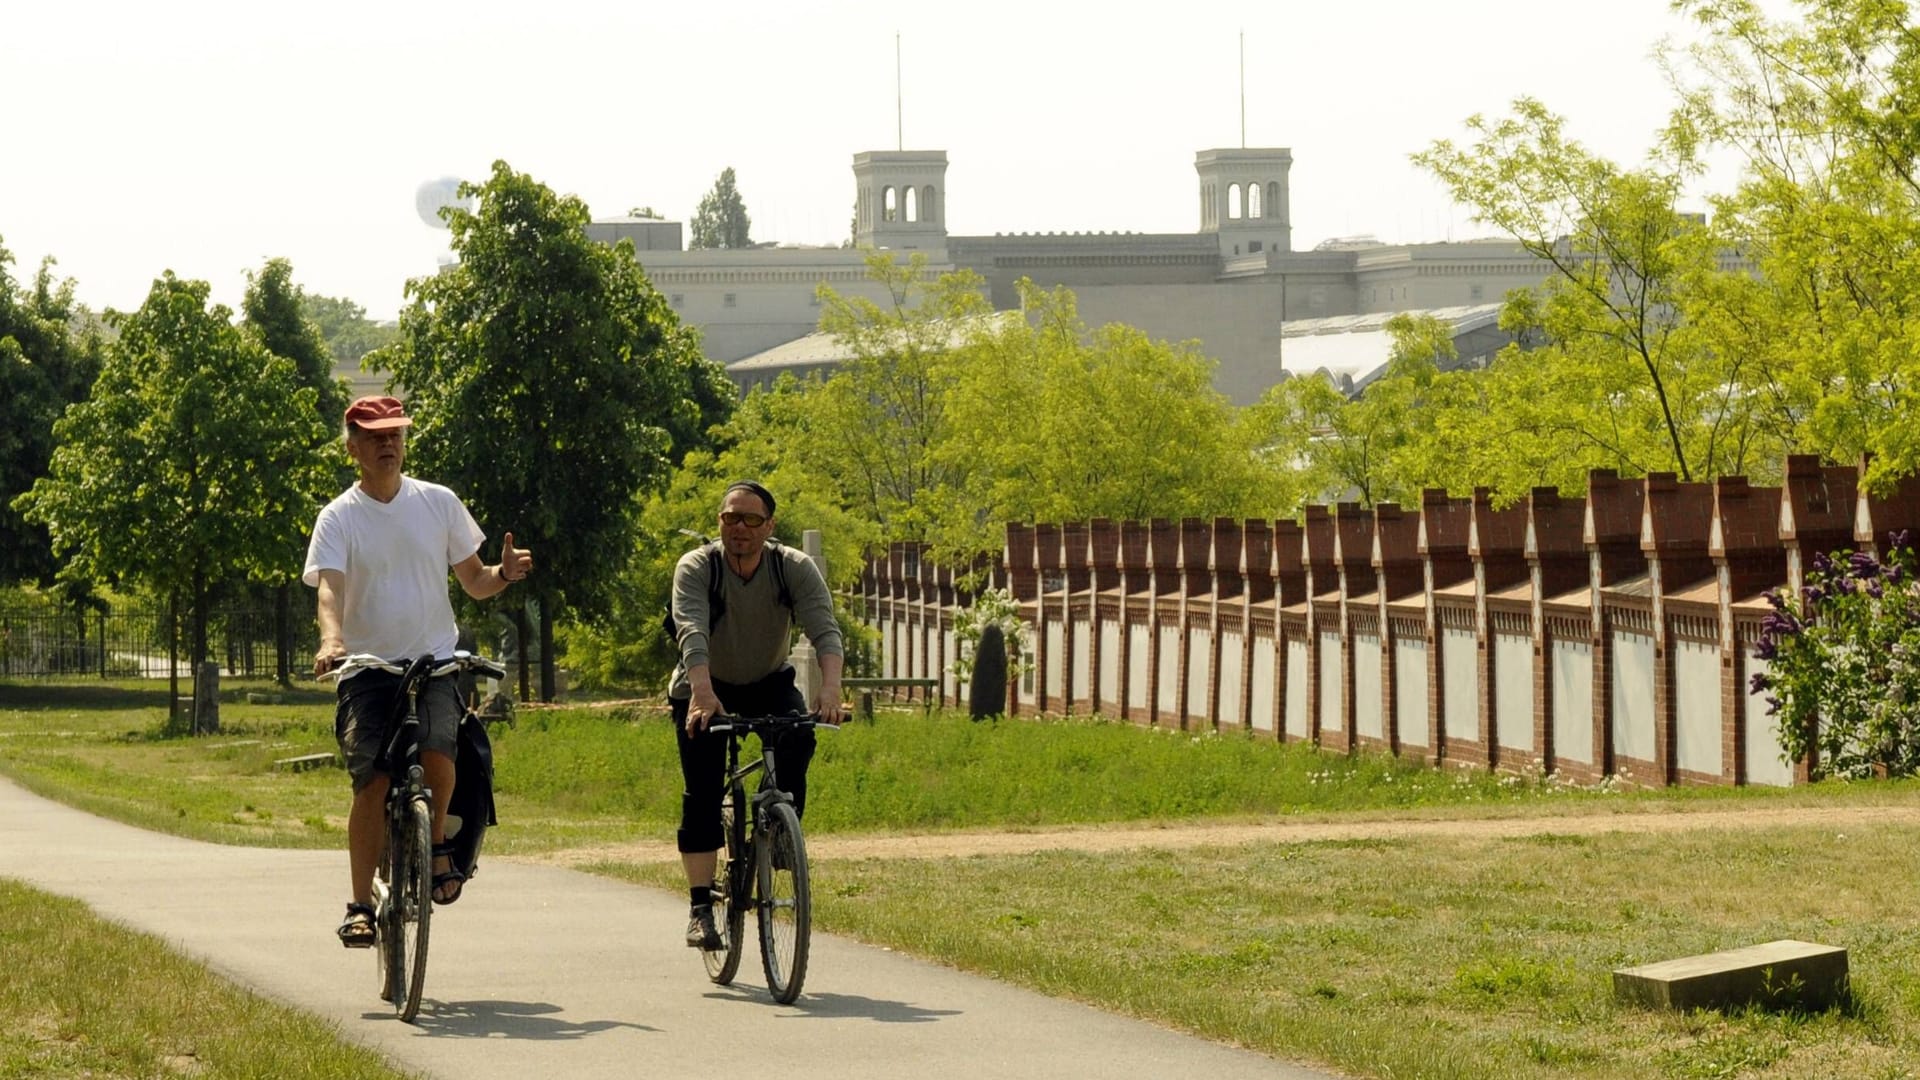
[(344, 325), (192, 465), (1843, 665), (49, 358), (276, 315), (551, 383), (996, 608), (721, 221), (1624, 374)]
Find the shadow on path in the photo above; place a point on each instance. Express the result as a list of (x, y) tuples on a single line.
[(532, 1020)]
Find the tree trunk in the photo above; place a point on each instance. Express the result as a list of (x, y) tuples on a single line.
[(546, 649), (520, 645), (199, 642), (283, 635), (173, 659)]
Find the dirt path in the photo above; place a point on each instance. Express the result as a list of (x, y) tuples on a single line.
[(1120, 838)]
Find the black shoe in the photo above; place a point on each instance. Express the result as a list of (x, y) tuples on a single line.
[(701, 933)]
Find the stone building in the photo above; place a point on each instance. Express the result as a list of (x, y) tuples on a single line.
[(1236, 285)]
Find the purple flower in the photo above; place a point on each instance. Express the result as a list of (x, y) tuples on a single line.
[(1773, 706), (1766, 649), (1874, 590), (1864, 566), (1897, 541), (1758, 683), (1821, 564)]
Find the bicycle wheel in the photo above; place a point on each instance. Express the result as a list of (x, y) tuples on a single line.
[(786, 901), (732, 888), (412, 900)]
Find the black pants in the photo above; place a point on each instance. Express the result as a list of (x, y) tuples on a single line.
[(703, 757)]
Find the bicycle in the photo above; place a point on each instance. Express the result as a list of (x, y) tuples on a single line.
[(763, 864), (403, 883)]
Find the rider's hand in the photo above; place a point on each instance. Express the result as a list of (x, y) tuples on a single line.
[(329, 652), (832, 709), (703, 708), (515, 562)]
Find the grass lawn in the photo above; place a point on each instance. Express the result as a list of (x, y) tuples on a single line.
[(83, 997), (1451, 956)]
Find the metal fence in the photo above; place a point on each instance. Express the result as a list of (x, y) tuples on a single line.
[(40, 640)]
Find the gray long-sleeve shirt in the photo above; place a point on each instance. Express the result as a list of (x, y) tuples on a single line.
[(754, 636)]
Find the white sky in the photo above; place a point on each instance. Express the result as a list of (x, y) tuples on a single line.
[(205, 137)]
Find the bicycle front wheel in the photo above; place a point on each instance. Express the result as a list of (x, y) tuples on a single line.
[(732, 890), (786, 900), (411, 900)]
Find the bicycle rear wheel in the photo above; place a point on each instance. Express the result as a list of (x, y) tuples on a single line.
[(410, 900), (732, 888), (785, 903)]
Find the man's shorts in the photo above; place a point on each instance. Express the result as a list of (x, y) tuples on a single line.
[(366, 708)]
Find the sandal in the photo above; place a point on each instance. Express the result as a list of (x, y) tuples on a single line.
[(448, 877), (356, 930)]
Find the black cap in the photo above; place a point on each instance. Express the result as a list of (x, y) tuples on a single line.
[(765, 496)]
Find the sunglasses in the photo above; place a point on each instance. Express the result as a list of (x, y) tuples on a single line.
[(751, 521)]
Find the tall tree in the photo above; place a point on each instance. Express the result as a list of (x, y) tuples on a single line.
[(1049, 420), (344, 326), (550, 380), (877, 422), (722, 221), (276, 317), (192, 464), (1641, 381), (1825, 113), (49, 357)]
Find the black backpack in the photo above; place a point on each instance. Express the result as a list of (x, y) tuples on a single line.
[(717, 601)]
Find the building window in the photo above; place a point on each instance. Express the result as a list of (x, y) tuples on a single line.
[(1253, 247), (927, 210), (728, 301), (813, 298), (676, 300), (1273, 199), (1253, 201), (1473, 292), (1233, 202), (890, 205)]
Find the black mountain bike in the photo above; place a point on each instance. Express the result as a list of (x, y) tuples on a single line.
[(403, 885), (763, 866)]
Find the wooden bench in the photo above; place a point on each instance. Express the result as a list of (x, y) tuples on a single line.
[(306, 761), (866, 686)]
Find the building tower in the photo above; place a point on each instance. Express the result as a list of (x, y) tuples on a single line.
[(1243, 199), (901, 199)]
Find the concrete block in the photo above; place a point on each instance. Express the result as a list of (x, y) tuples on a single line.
[(1778, 974)]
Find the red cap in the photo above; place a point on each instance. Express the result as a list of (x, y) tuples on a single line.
[(378, 414)]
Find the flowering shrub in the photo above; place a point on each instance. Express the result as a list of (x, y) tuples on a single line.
[(1844, 663), (993, 606)]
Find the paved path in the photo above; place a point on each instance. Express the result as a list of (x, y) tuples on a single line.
[(542, 971)]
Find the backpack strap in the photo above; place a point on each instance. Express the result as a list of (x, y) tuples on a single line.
[(716, 566)]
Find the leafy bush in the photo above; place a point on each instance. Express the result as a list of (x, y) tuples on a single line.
[(992, 607), (1844, 664)]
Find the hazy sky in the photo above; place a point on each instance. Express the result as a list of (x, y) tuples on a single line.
[(207, 137)]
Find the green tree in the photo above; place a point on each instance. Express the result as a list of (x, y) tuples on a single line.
[(276, 316), (875, 424), (722, 221), (192, 464), (549, 379), (1636, 377), (49, 357), (344, 326), (1825, 112), (1048, 420)]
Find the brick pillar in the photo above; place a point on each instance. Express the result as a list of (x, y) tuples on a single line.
[(1323, 578), (1136, 575), (1445, 525), (1289, 589), (1556, 554), (1256, 569), (1103, 556), (1612, 535), (1163, 552), (1496, 542)]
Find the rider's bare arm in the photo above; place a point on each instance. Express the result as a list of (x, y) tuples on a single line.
[(333, 585), (832, 709)]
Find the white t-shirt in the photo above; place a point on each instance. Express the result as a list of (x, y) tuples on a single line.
[(395, 557)]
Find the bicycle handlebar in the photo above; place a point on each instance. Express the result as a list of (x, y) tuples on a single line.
[(461, 661), (758, 723)]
